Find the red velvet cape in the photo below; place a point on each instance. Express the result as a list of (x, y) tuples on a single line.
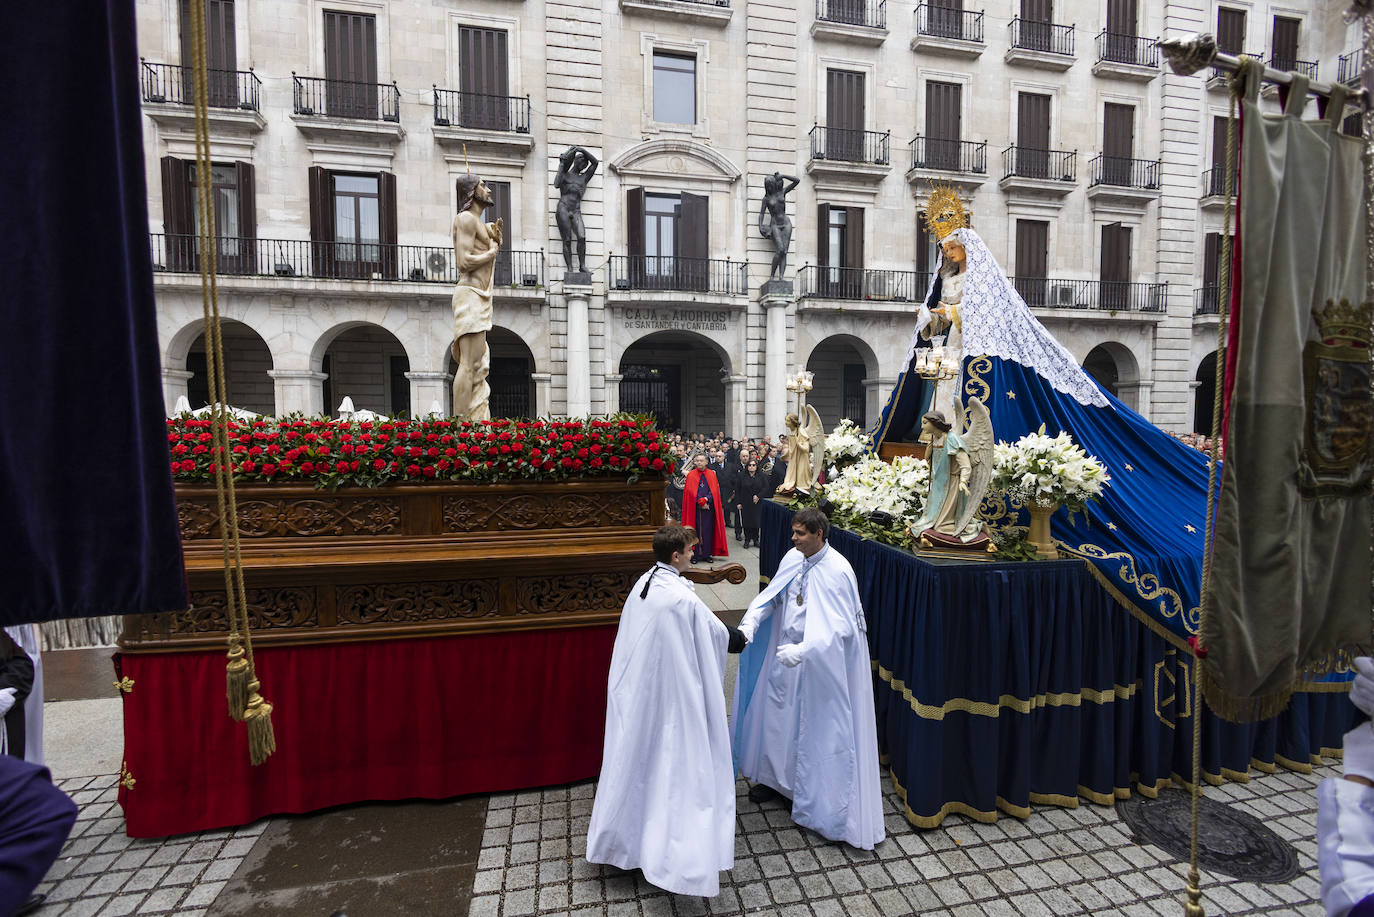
[(689, 510)]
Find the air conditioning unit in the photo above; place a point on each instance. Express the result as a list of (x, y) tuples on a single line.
[(436, 266), (1062, 296)]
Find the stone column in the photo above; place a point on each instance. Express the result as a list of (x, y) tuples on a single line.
[(875, 391), (543, 382), (175, 384), (775, 363), (613, 392), (737, 406), (427, 388), (577, 297), (299, 390)]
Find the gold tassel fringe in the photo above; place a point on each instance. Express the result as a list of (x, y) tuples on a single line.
[(237, 677), (261, 740)]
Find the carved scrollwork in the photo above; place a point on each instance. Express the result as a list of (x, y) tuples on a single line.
[(295, 518), (196, 519), (268, 609), (572, 592), (525, 512), (411, 603)]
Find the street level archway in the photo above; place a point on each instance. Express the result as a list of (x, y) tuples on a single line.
[(840, 364), (247, 362), (1115, 369), (1205, 394), (679, 377), (511, 377), (367, 363)]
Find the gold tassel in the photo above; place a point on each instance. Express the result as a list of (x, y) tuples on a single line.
[(261, 741), (237, 678), (1193, 906)]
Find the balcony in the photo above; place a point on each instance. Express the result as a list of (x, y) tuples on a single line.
[(859, 21), (1207, 300), (344, 108), (963, 163), (633, 276), (499, 125), (1307, 68), (1046, 45), (293, 261), (1214, 187), (1350, 68), (943, 30), (1041, 173), (1122, 181), (704, 12), (1220, 78), (1093, 295), (845, 156), (1127, 57), (854, 286), (233, 97)]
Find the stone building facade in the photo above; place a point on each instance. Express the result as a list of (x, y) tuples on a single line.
[(339, 128)]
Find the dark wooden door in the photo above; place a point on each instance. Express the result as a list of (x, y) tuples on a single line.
[(854, 287), (500, 210), (221, 56), (1116, 266), (483, 79), (1033, 135), (1121, 32), (694, 243), (1217, 181), (1211, 263), (1286, 42), (1118, 143), (1036, 31), (350, 65), (1032, 260), (844, 115), (1230, 30), (947, 19), (944, 102)]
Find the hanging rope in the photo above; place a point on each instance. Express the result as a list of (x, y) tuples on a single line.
[(245, 703)]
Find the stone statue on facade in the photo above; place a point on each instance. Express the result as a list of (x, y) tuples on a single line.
[(774, 223), (475, 247), (576, 166)]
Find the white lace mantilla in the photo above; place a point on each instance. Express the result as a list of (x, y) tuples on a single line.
[(998, 323)]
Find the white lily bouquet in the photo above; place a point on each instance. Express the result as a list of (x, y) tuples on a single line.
[(1047, 470), (846, 444), (871, 484)]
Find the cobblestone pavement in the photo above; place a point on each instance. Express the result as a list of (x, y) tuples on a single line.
[(1057, 862), (104, 873)]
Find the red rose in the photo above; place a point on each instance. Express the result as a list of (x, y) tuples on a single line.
[(269, 469), (413, 470), (703, 502), (657, 464), (428, 472), (341, 467), (643, 462), (307, 467)]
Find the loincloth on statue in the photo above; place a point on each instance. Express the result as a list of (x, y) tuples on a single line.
[(471, 310)]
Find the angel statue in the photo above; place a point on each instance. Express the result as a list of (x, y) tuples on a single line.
[(805, 452), (961, 465)]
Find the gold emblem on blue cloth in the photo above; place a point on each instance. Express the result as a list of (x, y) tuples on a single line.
[(1338, 415)]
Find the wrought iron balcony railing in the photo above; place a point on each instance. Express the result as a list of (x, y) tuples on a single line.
[(1207, 300), (480, 111), (1214, 182), (1307, 68), (1127, 49), (1046, 37), (1050, 165), (670, 273), (1124, 172), (856, 283), (224, 88), (1350, 67), (940, 21), (847, 145), (1100, 295), (870, 13), (949, 155), (248, 257), (345, 99)]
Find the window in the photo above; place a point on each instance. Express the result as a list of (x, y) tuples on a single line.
[(1033, 135), (1118, 143), (221, 58), (668, 240), (855, 401), (1121, 32), (1036, 29), (844, 116), (232, 196), (1285, 52), (675, 88), (500, 209), (661, 214), (840, 251), (352, 224), (350, 65), (1116, 266), (944, 125), (357, 220), (483, 79), (1353, 125), (1032, 260), (1230, 30)]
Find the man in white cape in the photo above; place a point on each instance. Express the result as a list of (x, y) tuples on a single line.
[(665, 803), (803, 722)]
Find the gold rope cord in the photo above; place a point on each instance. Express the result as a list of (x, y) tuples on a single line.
[(242, 686)]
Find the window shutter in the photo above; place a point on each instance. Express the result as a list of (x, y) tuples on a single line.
[(693, 240), (1032, 256), (1230, 30), (823, 235), (500, 210), (1285, 41), (1115, 265), (634, 236), (483, 78), (321, 221), (1033, 135), (943, 124), (1211, 258), (386, 213), (178, 220), (1121, 17), (854, 238), (248, 213)]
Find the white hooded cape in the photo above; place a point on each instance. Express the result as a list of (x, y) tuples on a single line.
[(834, 782), (666, 799)]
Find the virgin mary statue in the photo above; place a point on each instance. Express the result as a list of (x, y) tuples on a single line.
[(1144, 537)]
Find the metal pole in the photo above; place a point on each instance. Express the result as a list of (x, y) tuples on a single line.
[(1190, 53)]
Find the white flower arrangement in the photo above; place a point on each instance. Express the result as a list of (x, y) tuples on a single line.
[(871, 484), (1046, 470), (846, 443)]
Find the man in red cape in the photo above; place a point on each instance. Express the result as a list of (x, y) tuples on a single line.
[(702, 510)]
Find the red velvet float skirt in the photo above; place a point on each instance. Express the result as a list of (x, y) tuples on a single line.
[(396, 719)]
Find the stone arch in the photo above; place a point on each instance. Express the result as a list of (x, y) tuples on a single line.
[(248, 363), (1204, 394), (513, 366), (655, 158), (680, 376), (1114, 365), (840, 391), (364, 361)]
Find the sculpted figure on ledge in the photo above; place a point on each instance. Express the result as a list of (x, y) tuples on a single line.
[(774, 223), (475, 246), (576, 166)]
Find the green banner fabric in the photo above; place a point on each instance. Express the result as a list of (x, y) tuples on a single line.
[(1290, 587)]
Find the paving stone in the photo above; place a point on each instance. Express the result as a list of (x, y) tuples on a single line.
[(162, 900), (978, 887), (585, 891), (518, 904), (553, 897), (949, 891), (860, 906), (71, 888), (121, 906), (94, 864), (485, 906), (87, 907), (183, 874), (239, 847), (146, 878), (108, 883), (844, 880), (774, 865), (873, 875), (517, 877), (754, 896), (785, 890), (203, 895)]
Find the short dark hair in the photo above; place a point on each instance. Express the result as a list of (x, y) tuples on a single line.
[(671, 539), (813, 520), (467, 190)]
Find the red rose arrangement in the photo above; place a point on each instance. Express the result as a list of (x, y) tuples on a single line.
[(333, 453), (703, 502)]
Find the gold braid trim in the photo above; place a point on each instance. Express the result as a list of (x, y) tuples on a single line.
[(1005, 701)]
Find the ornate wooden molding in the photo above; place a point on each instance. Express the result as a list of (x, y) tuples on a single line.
[(416, 603)]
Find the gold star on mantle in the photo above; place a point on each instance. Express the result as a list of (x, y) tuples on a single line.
[(1128, 468), (1112, 526), (1011, 395), (1191, 530)]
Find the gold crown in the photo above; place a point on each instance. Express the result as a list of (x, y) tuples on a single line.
[(1345, 323), (945, 210)]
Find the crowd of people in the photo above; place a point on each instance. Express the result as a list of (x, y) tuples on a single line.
[(746, 471)]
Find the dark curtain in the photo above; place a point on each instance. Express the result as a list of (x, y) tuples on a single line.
[(89, 525)]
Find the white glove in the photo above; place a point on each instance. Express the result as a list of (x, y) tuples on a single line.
[(747, 628), (790, 655), (1362, 690), (6, 700), (1359, 752)]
